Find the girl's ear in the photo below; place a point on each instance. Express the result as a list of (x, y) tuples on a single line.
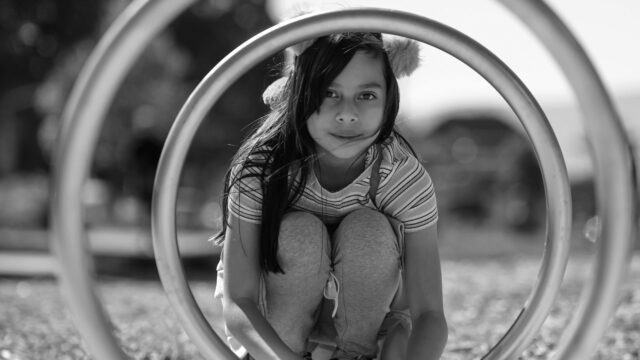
[(306, 8), (403, 53), (273, 94), (297, 10)]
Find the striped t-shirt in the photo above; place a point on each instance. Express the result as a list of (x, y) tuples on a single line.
[(405, 191)]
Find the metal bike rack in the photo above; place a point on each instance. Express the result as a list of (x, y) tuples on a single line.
[(142, 20)]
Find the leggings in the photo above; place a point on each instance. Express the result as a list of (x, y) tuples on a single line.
[(362, 254)]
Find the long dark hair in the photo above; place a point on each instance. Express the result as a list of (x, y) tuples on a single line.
[(281, 142)]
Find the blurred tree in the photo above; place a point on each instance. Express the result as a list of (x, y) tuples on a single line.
[(34, 32), (32, 35), (153, 92), (208, 33)]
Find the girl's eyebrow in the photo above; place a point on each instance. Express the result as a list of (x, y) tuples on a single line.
[(372, 84)]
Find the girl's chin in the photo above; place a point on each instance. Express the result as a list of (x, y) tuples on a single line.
[(345, 154), (343, 151)]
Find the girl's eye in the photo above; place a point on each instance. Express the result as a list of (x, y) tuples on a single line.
[(368, 96), (331, 94)]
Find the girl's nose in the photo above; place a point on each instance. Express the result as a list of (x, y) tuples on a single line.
[(347, 114)]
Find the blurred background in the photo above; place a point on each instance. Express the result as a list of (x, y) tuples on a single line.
[(488, 183), (44, 46), (475, 149)]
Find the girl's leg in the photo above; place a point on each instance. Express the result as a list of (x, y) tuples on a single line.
[(367, 265), (293, 298)]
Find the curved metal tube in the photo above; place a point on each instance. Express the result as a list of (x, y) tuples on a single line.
[(81, 123), (395, 22), (615, 190), (144, 19)]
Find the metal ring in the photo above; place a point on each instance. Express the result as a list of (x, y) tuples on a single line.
[(118, 49), (404, 24)]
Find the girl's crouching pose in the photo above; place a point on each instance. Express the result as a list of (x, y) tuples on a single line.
[(330, 231)]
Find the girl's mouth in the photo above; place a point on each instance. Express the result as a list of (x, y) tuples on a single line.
[(346, 136)]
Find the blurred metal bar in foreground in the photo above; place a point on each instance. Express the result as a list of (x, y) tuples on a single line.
[(615, 190), (82, 119)]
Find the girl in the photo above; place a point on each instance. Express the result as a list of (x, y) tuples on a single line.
[(330, 220)]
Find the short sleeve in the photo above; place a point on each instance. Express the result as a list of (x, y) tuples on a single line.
[(409, 195), (245, 194)]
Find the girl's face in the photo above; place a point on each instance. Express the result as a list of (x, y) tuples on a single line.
[(351, 114)]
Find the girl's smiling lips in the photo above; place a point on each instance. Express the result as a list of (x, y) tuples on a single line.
[(346, 136)]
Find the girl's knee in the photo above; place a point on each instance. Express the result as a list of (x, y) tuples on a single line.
[(302, 234), (366, 236), (368, 225), (365, 216), (300, 217), (300, 220)]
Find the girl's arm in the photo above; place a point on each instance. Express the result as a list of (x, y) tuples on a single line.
[(241, 291), (424, 293)]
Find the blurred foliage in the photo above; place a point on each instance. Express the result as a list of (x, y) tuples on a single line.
[(34, 32), (44, 46)]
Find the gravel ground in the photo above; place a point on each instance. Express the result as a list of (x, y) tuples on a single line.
[(482, 299)]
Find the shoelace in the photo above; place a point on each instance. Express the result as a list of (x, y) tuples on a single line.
[(331, 292)]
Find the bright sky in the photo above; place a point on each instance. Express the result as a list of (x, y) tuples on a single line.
[(608, 30)]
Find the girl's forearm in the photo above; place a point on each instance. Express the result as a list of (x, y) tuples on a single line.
[(395, 343), (252, 330), (428, 337)]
